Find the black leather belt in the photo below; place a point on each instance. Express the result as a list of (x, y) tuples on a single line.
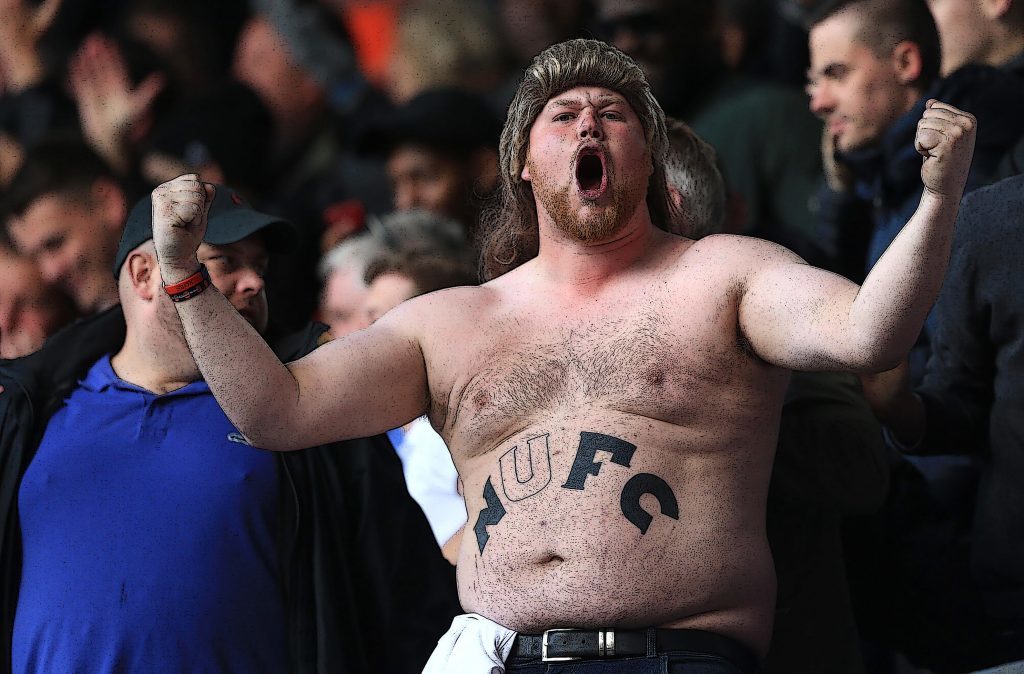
[(572, 644)]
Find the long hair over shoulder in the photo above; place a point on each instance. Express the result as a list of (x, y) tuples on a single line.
[(510, 234)]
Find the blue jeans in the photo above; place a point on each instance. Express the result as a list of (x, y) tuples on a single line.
[(671, 662)]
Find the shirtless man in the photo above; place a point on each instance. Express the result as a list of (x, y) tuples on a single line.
[(611, 403)]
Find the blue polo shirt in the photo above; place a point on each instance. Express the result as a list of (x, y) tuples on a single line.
[(149, 533)]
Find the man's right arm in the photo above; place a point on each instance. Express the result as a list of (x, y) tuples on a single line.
[(360, 385)]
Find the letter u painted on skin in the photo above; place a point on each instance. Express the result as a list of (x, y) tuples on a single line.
[(538, 458)]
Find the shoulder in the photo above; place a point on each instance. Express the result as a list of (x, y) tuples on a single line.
[(1006, 194), (992, 219), (740, 253), (734, 262), (426, 314)]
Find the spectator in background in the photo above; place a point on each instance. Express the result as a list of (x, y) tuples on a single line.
[(121, 89), (988, 33), (66, 209), (980, 32), (223, 136), (30, 310), (530, 26), (442, 154), (343, 271), (874, 65), (694, 183), (870, 88), (32, 102), (767, 143), (429, 471), (672, 43), (132, 511), (297, 58), (447, 43), (276, 56), (191, 38), (970, 402), (343, 268)]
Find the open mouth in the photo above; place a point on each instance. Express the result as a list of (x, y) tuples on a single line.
[(591, 178)]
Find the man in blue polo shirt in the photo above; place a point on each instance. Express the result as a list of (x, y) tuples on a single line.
[(154, 538)]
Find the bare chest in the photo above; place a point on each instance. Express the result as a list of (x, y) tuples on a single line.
[(643, 360)]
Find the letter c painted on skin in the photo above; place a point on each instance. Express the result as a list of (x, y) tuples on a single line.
[(645, 483)]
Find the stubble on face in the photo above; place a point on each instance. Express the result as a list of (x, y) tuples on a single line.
[(593, 222)]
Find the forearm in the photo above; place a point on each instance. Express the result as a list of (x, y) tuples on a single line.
[(887, 314), (253, 387)]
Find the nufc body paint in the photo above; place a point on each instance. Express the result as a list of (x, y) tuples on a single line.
[(489, 516), (538, 456), (590, 445), (524, 475), (645, 483)]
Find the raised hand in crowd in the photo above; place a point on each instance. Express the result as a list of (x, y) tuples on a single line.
[(21, 28), (180, 209), (941, 130), (113, 111)]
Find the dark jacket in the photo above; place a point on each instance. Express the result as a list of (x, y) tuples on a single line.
[(972, 390), (365, 585)]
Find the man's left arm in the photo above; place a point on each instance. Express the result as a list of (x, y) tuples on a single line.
[(799, 317)]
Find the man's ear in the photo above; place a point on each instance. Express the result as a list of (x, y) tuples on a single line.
[(143, 274), (110, 202), (525, 175), (906, 61)]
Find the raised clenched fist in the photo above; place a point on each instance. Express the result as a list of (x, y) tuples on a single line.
[(945, 138), (180, 209)]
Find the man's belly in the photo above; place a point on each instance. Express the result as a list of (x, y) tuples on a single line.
[(619, 523)]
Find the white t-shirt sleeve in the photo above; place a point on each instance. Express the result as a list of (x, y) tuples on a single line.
[(432, 479)]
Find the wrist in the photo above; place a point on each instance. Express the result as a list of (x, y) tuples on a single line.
[(190, 286), (176, 270)]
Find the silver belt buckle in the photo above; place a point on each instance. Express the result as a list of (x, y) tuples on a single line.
[(605, 644)]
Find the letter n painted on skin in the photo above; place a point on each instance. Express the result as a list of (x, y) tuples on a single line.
[(489, 516), (590, 444), (645, 483), (538, 458)]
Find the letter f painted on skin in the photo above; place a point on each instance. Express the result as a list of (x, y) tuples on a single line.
[(590, 444)]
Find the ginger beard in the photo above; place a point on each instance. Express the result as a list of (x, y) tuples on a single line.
[(606, 199)]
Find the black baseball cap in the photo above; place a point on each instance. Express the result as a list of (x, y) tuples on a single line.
[(230, 219), (449, 120)]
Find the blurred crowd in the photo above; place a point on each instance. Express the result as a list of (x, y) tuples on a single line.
[(373, 126)]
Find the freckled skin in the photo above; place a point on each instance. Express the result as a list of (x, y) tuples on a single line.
[(629, 363)]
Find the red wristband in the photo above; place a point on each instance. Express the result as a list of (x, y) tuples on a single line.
[(190, 287)]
